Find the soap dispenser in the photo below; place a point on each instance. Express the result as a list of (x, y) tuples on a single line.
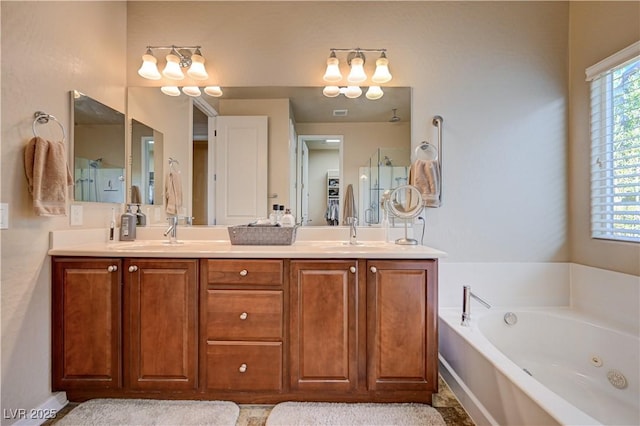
[(141, 218), (128, 225)]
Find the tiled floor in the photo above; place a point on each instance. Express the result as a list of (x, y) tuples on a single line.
[(256, 415)]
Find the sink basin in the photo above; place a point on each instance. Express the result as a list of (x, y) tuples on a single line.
[(144, 245)]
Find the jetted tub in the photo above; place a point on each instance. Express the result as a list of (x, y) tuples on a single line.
[(552, 366)]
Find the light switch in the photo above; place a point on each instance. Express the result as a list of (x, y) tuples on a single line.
[(76, 215), (4, 216)]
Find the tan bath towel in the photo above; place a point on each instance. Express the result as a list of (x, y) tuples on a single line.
[(48, 176), (135, 195), (425, 175), (173, 193), (350, 210)]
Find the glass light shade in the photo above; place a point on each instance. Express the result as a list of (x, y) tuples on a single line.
[(332, 75), (357, 74), (170, 90), (149, 69), (374, 92), (172, 69), (197, 70), (353, 92), (213, 91), (331, 91), (382, 74), (191, 91)]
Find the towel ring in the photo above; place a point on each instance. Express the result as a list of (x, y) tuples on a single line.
[(43, 118), (426, 151)]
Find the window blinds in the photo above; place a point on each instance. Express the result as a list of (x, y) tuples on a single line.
[(615, 146)]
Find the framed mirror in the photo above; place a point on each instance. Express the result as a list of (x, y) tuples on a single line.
[(98, 147)]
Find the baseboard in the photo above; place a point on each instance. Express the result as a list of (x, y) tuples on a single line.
[(44, 411), (467, 399)]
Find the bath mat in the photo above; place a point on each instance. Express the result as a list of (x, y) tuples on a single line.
[(340, 414), (151, 412)]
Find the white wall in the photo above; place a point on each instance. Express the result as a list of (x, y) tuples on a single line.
[(598, 30), (496, 72), (320, 161), (48, 49)]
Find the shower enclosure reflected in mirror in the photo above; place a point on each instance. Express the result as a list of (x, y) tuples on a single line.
[(98, 146), (146, 164)]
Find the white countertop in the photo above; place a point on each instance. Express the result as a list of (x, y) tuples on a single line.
[(210, 243)]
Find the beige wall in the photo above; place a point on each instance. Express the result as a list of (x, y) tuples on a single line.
[(48, 49), (598, 30)]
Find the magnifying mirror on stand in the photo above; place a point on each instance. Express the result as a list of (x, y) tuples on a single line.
[(405, 202)]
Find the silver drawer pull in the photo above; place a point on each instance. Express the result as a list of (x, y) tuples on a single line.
[(352, 269), (373, 269), (112, 268), (243, 316), (133, 268), (243, 273), (242, 368)]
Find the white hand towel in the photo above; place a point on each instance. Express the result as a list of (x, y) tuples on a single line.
[(48, 176), (173, 193)]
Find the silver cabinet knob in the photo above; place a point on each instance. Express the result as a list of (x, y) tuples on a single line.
[(112, 268), (243, 316), (373, 269), (243, 273), (242, 368), (133, 268), (352, 269)]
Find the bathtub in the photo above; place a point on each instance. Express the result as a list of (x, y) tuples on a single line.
[(550, 367)]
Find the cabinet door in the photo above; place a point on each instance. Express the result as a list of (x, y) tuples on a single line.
[(323, 321), (402, 325), (160, 323), (86, 324)]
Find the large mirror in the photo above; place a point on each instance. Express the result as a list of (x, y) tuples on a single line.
[(304, 121), (98, 146)]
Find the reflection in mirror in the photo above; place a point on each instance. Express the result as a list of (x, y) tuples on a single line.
[(146, 164), (98, 145)]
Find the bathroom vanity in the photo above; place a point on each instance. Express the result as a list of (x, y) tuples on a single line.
[(315, 321)]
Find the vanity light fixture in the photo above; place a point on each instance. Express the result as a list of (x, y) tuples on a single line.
[(357, 74), (179, 57)]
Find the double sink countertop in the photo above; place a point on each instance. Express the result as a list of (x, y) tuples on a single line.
[(213, 242)]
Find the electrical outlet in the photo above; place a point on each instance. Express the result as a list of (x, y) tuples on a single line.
[(4, 216), (76, 215)]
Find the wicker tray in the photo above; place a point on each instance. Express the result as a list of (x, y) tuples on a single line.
[(262, 235)]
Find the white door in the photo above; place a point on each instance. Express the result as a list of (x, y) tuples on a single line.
[(241, 169)]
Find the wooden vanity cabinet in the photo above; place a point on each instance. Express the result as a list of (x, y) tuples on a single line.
[(160, 324), (402, 326), (86, 333), (242, 317), (324, 320)]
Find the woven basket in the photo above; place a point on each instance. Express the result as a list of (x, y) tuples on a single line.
[(262, 235)]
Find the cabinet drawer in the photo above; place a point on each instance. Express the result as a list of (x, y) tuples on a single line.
[(245, 271), (244, 366), (244, 314)]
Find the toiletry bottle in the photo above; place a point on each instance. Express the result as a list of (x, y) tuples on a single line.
[(112, 225), (273, 216), (141, 218), (280, 213), (287, 219), (128, 225)]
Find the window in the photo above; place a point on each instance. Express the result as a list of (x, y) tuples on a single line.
[(615, 146)]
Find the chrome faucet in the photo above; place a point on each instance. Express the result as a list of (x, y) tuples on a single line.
[(353, 231), (172, 230), (466, 304)]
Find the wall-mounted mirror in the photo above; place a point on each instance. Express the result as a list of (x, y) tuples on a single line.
[(364, 125), (146, 164), (98, 146)]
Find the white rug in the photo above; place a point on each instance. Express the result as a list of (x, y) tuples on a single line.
[(342, 414), (113, 412)]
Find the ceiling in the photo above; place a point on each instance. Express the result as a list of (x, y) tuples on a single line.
[(309, 105)]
